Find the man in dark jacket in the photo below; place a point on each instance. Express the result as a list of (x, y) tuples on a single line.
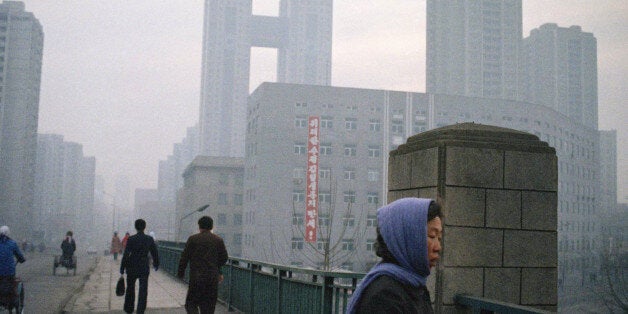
[(135, 262), (206, 253), (68, 246)]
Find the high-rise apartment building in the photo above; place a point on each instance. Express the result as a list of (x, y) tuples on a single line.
[(64, 192), (302, 36), (21, 51), (473, 47), (559, 69)]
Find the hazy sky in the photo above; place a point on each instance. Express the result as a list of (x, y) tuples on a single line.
[(122, 77)]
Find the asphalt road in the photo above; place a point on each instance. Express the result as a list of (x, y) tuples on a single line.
[(48, 293)]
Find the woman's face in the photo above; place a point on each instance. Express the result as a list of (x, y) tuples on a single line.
[(434, 236)]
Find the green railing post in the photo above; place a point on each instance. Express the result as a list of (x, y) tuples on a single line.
[(326, 295), (280, 275)]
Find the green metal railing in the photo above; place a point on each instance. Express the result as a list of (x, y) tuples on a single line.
[(256, 287)]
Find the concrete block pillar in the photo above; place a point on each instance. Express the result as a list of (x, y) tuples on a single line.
[(498, 188)]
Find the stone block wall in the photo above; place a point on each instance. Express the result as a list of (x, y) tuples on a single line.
[(498, 188)]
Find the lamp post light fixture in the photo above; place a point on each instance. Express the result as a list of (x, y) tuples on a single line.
[(198, 210)]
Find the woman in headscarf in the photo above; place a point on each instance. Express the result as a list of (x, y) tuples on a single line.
[(408, 241)]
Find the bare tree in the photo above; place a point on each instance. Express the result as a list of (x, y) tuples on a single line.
[(329, 248)]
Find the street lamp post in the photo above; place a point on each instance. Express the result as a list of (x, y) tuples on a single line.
[(198, 210)]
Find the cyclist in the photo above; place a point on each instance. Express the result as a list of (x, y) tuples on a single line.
[(8, 250)]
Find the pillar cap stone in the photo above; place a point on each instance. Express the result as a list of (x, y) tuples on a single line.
[(471, 134)]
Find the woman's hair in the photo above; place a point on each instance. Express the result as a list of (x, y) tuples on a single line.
[(381, 249)]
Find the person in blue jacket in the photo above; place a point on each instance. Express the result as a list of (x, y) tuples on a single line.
[(8, 251)]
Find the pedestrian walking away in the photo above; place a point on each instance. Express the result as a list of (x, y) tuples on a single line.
[(205, 252), (135, 263), (116, 246)]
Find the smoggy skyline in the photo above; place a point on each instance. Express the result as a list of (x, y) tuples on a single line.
[(123, 78)]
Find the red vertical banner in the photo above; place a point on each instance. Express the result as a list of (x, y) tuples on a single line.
[(311, 199)]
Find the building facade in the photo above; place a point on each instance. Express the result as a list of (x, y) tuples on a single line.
[(357, 130), (473, 47), (217, 182), (302, 36), (64, 192), (559, 68), (21, 52)]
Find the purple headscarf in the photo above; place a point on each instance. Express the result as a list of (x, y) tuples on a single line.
[(403, 226)]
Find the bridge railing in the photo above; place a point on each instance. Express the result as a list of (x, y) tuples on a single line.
[(257, 287)]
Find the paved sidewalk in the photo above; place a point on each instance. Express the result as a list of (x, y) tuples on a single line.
[(166, 294)]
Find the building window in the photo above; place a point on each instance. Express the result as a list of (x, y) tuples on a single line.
[(325, 149), (297, 219), (221, 219), (350, 150), (298, 196), (370, 245), (297, 243), (397, 127), (238, 180), (374, 151), (348, 266), (237, 238), (222, 199), (223, 179), (298, 173), (301, 105), (373, 175), (323, 220), (324, 197), (349, 174), (372, 198), (371, 221), (374, 125), (327, 122), (300, 122), (347, 244), (348, 221), (300, 149), (237, 219), (322, 245), (349, 197), (351, 123), (237, 199), (324, 173)]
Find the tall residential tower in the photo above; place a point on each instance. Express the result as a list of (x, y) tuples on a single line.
[(560, 71), (302, 36), (21, 51), (473, 47)]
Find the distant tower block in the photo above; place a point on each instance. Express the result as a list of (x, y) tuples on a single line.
[(302, 35)]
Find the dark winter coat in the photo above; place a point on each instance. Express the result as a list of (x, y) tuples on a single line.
[(206, 253), (135, 258), (386, 295), (68, 246)]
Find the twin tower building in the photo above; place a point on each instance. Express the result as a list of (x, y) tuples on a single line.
[(302, 36), (474, 49)]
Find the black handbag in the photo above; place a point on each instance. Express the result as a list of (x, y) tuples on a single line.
[(120, 287)]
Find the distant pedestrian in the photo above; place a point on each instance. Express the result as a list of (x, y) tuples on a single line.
[(124, 240), (135, 263), (116, 246), (408, 241), (206, 253), (68, 246)]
